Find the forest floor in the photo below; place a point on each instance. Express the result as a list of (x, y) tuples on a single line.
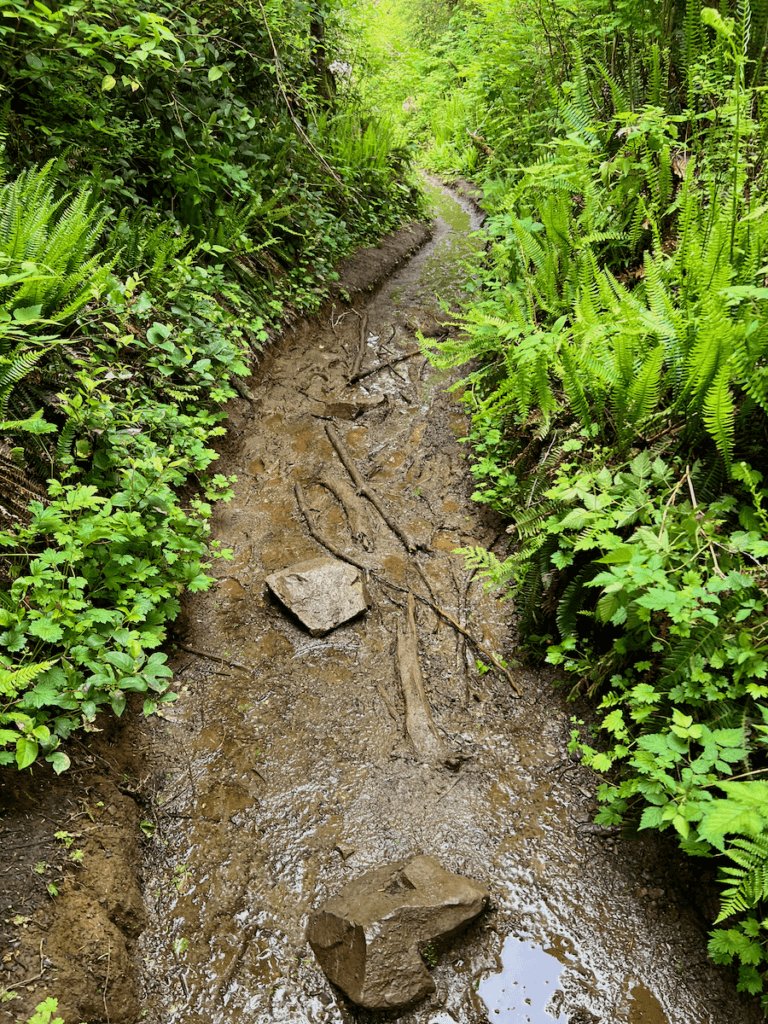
[(192, 848)]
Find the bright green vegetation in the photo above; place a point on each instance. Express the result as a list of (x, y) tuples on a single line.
[(619, 389), (174, 179)]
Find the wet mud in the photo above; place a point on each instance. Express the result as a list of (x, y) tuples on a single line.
[(290, 769), (286, 768)]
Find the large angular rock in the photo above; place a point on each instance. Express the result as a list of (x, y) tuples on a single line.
[(369, 938), (321, 592)]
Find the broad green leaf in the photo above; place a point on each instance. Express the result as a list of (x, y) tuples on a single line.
[(27, 314), (26, 752), (108, 82), (120, 660), (59, 760)]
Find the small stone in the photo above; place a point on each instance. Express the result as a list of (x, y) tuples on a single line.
[(369, 938), (321, 592), (344, 850)]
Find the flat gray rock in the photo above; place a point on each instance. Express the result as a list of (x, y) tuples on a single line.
[(369, 939), (321, 592)]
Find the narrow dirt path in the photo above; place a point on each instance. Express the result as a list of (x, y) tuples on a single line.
[(291, 771)]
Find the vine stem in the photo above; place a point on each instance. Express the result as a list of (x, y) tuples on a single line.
[(296, 123)]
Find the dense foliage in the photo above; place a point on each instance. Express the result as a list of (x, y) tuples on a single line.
[(175, 179), (619, 394)]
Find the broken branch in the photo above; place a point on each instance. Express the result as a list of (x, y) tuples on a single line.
[(212, 657)]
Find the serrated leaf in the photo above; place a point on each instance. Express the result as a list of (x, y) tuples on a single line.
[(651, 818), (51, 632)]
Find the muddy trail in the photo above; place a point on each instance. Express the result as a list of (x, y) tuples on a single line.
[(285, 768)]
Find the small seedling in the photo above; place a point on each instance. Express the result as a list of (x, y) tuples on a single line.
[(429, 956), (181, 871)]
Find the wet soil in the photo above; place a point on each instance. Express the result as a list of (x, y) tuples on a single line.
[(284, 770)]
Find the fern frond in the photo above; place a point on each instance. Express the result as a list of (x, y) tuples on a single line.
[(720, 415)]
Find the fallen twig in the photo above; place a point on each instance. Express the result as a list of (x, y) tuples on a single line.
[(382, 366), (362, 345), (27, 981), (213, 657), (367, 491), (321, 538)]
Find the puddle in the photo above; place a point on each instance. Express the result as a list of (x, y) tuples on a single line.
[(525, 991), (286, 750)]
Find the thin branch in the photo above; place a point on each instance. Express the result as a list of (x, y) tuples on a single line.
[(296, 123), (382, 366), (213, 657)]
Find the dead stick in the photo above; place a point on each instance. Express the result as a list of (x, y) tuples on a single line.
[(441, 611), (362, 345), (296, 123), (212, 657), (320, 538), (367, 491), (28, 981), (383, 366)]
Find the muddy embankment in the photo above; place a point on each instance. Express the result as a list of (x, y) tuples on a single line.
[(286, 768)]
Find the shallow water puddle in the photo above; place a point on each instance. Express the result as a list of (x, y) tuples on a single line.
[(525, 991), (292, 774)]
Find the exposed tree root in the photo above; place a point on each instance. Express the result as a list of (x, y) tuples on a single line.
[(320, 537), (362, 345), (338, 553), (419, 723), (449, 619), (355, 509), (368, 492)]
